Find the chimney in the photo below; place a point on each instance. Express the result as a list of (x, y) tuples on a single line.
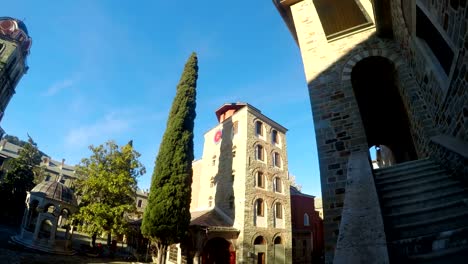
[(45, 161), (61, 165)]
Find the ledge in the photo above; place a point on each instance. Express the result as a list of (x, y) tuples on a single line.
[(362, 236), (454, 144)]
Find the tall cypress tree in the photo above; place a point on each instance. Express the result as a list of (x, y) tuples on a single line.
[(167, 215)]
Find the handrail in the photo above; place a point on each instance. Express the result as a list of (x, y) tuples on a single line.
[(362, 236)]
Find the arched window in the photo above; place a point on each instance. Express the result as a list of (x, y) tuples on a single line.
[(259, 241), (276, 160), (210, 201), (259, 128), (277, 185), (277, 240), (306, 220), (279, 210), (260, 179), (274, 137), (259, 207), (259, 153)]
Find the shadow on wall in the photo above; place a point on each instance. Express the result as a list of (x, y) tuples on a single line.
[(353, 112), (224, 179)]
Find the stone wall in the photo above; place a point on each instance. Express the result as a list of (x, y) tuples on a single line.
[(446, 99), (270, 232), (434, 103)]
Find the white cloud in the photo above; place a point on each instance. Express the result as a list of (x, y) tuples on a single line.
[(59, 86), (110, 126)]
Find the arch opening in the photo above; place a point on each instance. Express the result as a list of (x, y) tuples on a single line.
[(382, 111), (217, 250)]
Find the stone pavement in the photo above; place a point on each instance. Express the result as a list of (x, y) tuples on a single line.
[(15, 254)]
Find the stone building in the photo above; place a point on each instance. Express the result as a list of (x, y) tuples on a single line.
[(14, 49), (307, 229), (54, 170), (388, 73), (240, 191)]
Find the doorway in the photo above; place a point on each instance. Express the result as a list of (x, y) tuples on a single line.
[(381, 108)]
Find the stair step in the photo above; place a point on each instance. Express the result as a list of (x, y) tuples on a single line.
[(405, 166), (419, 191), (433, 225), (391, 179), (440, 210), (431, 179), (430, 247), (381, 176), (394, 206), (458, 255)]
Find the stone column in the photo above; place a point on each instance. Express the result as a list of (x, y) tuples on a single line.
[(26, 219), (52, 232), (38, 226)]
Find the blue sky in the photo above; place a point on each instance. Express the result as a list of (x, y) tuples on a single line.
[(103, 70)]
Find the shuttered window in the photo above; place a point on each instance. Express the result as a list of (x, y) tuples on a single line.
[(339, 17)]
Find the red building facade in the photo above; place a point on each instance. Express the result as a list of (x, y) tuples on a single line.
[(307, 229)]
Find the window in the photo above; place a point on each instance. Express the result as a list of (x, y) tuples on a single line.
[(173, 252), (426, 30), (259, 209), (276, 160), (259, 128), (274, 137), (278, 240), (260, 179), (340, 17), (259, 152), (306, 220), (47, 178), (1, 47), (212, 182), (234, 151), (235, 127), (278, 211), (277, 185), (139, 203), (259, 241)]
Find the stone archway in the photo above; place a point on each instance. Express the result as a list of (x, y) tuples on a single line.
[(382, 111), (217, 250)]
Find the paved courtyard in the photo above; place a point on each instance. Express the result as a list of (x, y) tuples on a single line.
[(14, 254)]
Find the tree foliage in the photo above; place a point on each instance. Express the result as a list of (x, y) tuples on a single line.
[(167, 215), (107, 187), (20, 175)]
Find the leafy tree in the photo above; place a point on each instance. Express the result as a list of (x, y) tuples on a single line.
[(20, 175), (167, 216), (107, 185)]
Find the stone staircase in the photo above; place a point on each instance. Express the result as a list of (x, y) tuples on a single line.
[(425, 213)]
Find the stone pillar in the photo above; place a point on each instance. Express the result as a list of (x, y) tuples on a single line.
[(26, 219), (52, 232), (38, 226)]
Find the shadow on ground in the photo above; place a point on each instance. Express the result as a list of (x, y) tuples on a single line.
[(14, 254)]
